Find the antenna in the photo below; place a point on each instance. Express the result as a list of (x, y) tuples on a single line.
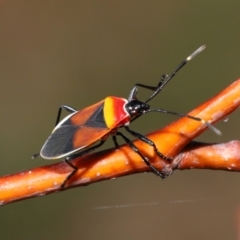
[(208, 124), (165, 79)]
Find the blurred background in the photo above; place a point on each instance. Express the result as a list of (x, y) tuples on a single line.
[(79, 52)]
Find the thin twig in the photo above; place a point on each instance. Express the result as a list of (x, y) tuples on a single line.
[(113, 163)]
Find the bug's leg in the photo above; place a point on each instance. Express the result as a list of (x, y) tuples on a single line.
[(145, 159), (115, 141), (149, 142), (65, 107), (35, 155), (71, 174), (134, 91), (88, 150), (71, 157)]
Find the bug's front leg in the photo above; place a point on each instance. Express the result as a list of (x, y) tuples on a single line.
[(149, 142), (145, 159)]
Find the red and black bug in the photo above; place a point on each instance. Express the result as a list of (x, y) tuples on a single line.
[(79, 132)]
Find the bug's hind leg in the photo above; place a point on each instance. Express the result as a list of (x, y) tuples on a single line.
[(71, 157), (65, 107)]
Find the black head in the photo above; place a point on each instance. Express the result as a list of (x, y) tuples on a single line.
[(136, 107)]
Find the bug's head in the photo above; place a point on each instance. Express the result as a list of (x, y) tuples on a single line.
[(136, 107)]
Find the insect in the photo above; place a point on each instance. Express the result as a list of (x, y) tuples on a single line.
[(83, 131)]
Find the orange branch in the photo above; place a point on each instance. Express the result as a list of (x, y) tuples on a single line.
[(222, 156), (123, 161)]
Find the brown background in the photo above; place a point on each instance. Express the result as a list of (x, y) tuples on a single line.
[(79, 52)]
